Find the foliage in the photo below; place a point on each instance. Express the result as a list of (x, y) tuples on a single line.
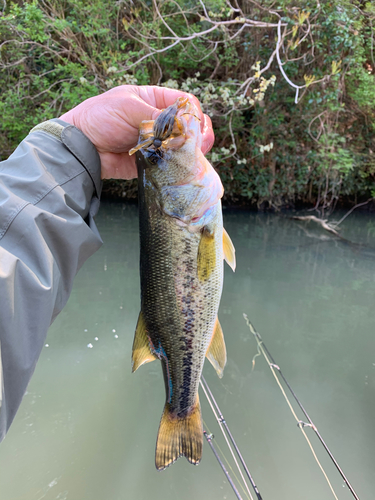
[(269, 150)]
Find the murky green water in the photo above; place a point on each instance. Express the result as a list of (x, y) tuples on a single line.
[(87, 427)]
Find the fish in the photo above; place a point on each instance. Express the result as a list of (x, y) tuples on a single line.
[(182, 247)]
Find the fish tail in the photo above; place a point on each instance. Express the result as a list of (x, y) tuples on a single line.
[(179, 436)]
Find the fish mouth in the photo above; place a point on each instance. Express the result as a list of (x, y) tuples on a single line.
[(168, 131)]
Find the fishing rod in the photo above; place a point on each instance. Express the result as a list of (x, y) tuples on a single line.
[(221, 420), (209, 438), (262, 348), (227, 433)]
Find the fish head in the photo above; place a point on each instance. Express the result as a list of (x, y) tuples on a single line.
[(169, 150)]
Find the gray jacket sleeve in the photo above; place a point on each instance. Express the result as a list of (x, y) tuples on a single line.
[(49, 194)]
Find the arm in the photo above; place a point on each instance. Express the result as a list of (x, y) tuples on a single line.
[(49, 194)]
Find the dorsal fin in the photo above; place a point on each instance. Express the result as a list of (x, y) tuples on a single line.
[(229, 250), (141, 346), (216, 352)]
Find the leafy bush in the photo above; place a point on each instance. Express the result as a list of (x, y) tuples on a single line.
[(269, 150)]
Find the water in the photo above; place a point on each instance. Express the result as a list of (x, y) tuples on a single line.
[(87, 427)]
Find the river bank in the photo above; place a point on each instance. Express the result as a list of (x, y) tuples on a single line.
[(126, 191)]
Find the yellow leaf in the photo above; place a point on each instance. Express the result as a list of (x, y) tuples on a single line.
[(336, 67), (135, 11), (302, 16), (125, 23), (295, 44), (309, 79)]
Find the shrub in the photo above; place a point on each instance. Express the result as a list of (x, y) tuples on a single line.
[(269, 150)]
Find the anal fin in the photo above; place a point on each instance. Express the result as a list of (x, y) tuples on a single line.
[(141, 347), (179, 436), (216, 352), (229, 250)]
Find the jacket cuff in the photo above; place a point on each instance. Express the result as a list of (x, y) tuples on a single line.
[(78, 144)]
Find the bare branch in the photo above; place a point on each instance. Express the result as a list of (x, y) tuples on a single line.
[(204, 10), (162, 19), (351, 210), (152, 53), (297, 87), (279, 39), (233, 8), (16, 63), (274, 12), (159, 68), (49, 88), (372, 44), (316, 139), (250, 80)]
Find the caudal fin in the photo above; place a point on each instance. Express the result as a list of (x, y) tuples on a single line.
[(179, 437)]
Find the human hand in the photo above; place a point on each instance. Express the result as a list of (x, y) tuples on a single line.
[(111, 121)]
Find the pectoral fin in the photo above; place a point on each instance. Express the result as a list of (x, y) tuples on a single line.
[(229, 251), (216, 352), (141, 347), (206, 255)]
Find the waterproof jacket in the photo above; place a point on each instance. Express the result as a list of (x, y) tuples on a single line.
[(49, 193)]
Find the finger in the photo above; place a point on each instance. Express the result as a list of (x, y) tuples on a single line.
[(117, 166), (129, 107), (162, 97), (208, 136)]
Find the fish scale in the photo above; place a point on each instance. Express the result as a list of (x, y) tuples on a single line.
[(189, 326), (181, 270)]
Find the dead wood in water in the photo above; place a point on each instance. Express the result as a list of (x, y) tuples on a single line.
[(330, 226), (322, 222)]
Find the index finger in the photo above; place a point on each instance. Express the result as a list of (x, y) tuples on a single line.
[(162, 97)]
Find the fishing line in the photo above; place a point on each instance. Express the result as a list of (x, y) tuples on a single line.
[(223, 425), (262, 349)]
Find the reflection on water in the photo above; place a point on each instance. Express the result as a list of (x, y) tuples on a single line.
[(87, 427)]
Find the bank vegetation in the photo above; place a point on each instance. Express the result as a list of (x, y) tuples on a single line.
[(289, 85)]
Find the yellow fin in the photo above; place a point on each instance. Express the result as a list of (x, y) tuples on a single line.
[(216, 352), (141, 348), (179, 437), (229, 250), (206, 255)]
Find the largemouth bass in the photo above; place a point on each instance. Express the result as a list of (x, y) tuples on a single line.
[(183, 244)]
